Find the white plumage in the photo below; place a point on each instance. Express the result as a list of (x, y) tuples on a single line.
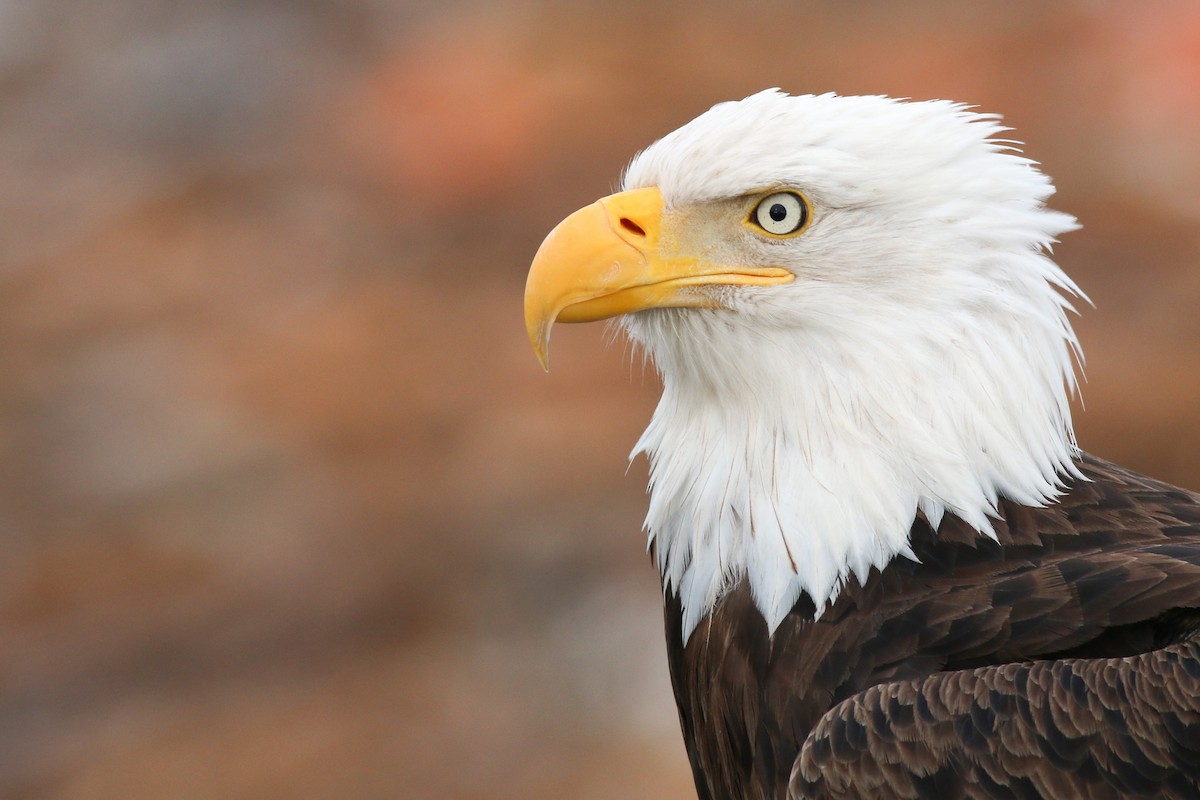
[(921, 360)]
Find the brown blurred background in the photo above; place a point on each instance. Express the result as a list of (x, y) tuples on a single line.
[(288, 509)]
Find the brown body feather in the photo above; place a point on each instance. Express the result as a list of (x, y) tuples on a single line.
[(1059, 662)]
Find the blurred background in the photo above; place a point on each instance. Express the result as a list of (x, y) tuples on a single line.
[(288, 509)]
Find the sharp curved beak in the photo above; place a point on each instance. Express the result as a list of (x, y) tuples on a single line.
[(610, 258)]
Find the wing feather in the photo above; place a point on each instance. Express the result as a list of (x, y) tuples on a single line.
[(1102, 727)]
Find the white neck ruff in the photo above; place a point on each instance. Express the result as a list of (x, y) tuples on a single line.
[(798, 471)]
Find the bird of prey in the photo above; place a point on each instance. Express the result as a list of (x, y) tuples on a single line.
[(888, 570)]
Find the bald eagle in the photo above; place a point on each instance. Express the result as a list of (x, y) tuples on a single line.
[(887, 568)]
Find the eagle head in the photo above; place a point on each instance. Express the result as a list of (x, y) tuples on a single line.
[(852, 307)]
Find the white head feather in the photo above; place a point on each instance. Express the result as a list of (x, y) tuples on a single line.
[(922, 359)]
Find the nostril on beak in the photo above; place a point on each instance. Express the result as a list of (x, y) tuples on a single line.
[(632, 226)]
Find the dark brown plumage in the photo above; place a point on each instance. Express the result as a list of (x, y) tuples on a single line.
[(1060, 661)]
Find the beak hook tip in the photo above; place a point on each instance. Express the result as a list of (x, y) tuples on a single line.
[(540, 339)]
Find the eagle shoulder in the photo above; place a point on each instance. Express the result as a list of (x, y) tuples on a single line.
[(1091, 592)]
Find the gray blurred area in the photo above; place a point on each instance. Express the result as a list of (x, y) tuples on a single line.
[(288, 508)]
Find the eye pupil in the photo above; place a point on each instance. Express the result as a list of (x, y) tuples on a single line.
[(778, 212)]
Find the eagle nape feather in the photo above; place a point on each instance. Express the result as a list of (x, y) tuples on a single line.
[(888, 569)]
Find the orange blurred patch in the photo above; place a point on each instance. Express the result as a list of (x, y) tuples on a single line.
[(459, 110), (1160, 51)]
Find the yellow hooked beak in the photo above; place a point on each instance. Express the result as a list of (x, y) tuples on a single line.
[(613, 257)]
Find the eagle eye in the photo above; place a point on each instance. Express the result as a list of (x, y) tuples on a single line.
[(781, 214)]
